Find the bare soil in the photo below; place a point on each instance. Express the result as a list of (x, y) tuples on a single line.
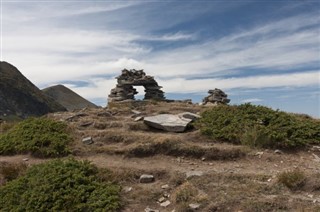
[(232, 178)]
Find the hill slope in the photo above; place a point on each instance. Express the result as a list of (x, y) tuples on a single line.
[(19, 97), (67, 98)]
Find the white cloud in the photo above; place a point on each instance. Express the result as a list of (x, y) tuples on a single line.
[(251, 100), (55, 52)]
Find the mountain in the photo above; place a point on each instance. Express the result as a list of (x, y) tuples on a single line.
[(20, 98), (68, 98)]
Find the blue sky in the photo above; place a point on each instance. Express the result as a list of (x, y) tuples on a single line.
[(264, 52)]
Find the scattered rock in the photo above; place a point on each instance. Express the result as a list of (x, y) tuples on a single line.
[(259, 154), (190, 174), (165, 186), (87, 140), (216, 97), (194, 206), (150, 210), (165, 204), (277, 151), (139, 118), (146, 178), (167, 122), (136, 112), (161, 200), (127, 189)]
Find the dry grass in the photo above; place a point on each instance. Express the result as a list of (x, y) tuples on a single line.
[(11, 171)]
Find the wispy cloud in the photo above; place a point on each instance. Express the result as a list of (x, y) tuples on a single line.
[(251, 100), (58, 42)]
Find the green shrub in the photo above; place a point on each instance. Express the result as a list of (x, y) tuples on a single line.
[(259, 126), (292, 179), (40, 136), (59, 185)]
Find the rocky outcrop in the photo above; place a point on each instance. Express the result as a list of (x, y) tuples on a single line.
[(216, 97), (124, 89)]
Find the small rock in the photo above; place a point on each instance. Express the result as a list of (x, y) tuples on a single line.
[(203, 159), (165, 204), (139, 118), (127, 189), (194, 206), (166, 195), (25, 159), (165, 186), (146, 178), (259, 154), (136, 112), (161, 200), (194, 173), (87, 140), (150, 210), (277, 151), (210, 164)]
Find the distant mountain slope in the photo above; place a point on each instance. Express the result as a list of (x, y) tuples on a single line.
[(68, 98), (19, 97)]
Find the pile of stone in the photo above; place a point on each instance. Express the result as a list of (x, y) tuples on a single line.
[(216, 97), (129, 78)]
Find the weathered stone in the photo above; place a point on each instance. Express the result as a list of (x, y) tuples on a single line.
[(167, 122), (124, 89), (215, 97), (146, 178), (87, 140), (194, 206), (150, 210), (139, 118), (165, 204), (161, 199), (277, 151), (166, 186)]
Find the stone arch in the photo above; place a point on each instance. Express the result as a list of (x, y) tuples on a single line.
[(124, 89)]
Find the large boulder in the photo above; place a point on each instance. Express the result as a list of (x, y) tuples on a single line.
[(167, 122)]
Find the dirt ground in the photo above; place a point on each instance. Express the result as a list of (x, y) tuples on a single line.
[(204, 175)]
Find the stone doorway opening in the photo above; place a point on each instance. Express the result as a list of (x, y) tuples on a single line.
[(124, 89)]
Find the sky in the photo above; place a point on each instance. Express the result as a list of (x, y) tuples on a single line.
[(263, 52)]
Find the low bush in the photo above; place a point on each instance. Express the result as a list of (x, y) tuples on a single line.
[(41, 137), (60, 185), (259, 126), (292, 179)]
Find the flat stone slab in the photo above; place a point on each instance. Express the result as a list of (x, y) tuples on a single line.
[(167, 122)]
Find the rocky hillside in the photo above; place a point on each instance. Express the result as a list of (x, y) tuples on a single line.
[(68, 98), (19, 97)]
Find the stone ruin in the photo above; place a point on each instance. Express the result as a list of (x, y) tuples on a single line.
[(124, 89), (216, 97)]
